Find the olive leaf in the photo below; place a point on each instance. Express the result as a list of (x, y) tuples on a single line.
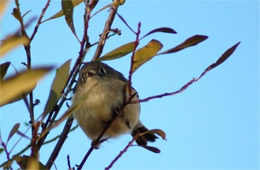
[(58, 84), (67, 7), (192, 41), (161, 29), (119, 52)]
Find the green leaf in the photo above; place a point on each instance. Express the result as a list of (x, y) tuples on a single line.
[(60, 13), (3, 69), (192, 41), (119, 52), (20, 83), (11, 42), (146, 53), (67, 7), (58, 84), (13, 131), (162, 29)]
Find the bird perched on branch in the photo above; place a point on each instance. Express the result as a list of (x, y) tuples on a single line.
[(106, 98)]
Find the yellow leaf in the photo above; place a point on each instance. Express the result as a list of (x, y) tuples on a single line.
[(11, 42), (146, 53), (20, 83), (3, 5)]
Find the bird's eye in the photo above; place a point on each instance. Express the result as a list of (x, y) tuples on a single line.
[(103, 71)]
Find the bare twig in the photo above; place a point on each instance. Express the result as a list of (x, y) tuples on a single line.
[(124, 21), (105, 32), (2, 143), (40, 19), (60, 142), (121, 153), (132, 58)]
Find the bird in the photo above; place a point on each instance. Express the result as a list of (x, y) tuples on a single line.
[(104, 95)]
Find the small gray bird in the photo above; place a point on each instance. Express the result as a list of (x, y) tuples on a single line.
[(105, 92)]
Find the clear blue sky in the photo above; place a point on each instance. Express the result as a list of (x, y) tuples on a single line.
[(212, 125)]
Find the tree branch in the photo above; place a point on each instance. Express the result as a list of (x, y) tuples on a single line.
[(105, 32)]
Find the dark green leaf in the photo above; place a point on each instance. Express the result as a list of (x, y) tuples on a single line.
[(13, 131), (192, 41), (3, 70), (58, 84), (119, 52), (162, 29)]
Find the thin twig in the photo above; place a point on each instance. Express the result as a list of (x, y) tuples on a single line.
[(59, 144), (105, 32), (40, 19), (132, 58), (124, 21), (120, 154)]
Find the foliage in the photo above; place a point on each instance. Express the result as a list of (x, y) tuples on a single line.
[(65, 77)]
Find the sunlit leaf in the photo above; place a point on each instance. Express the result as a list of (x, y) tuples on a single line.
[(67, 7), (13, 131), (146, 53), (60, 13), (3, 5), (221, 59), (192, 41), (162, 29), (11, 42), (119, 52), (20, 83), (3, 70), (58, 84)]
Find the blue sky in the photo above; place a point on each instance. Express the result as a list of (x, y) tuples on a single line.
[(214, 124)]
